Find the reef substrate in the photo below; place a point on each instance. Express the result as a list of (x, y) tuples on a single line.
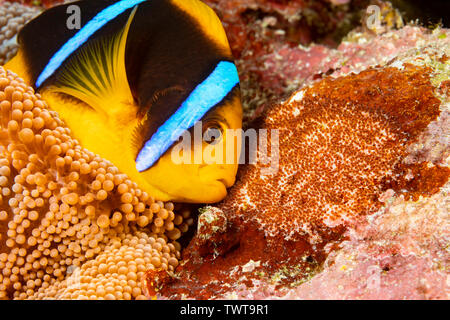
[(361, 153), (281, 45)]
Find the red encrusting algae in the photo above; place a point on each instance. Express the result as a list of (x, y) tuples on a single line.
[(422, 179)]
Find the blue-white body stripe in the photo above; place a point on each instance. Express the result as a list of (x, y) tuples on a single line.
[(96, 23), (205, 96)]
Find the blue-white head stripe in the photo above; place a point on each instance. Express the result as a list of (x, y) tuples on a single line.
[(205, 96), (102, 18)]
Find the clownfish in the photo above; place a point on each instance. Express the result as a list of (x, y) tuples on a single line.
[(131, 79)]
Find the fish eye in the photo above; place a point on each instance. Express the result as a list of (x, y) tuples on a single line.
[(212, 133)]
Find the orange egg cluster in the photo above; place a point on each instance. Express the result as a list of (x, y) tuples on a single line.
[(62, 206), (339, 144), (13, 16)]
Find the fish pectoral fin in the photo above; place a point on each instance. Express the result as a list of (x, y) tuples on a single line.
[(96, 74)]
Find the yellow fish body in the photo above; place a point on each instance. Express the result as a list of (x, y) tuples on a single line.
[(132, 80)]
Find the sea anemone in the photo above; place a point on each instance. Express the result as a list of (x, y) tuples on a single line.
[(116, 272), (13, 16), (62, 206)]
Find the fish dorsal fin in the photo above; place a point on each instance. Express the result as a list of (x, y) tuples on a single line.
[(207, 20), (96, 74)]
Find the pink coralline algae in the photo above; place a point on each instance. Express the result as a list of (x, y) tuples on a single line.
[(398, 254)]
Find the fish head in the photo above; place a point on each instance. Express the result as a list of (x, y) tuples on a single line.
[(129, 94), (203, 162)]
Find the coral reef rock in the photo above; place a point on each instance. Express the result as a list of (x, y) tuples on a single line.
[(269, 39), (363, 150)]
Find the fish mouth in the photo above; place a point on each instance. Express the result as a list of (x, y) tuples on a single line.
[(216, 175), (226, 183)]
